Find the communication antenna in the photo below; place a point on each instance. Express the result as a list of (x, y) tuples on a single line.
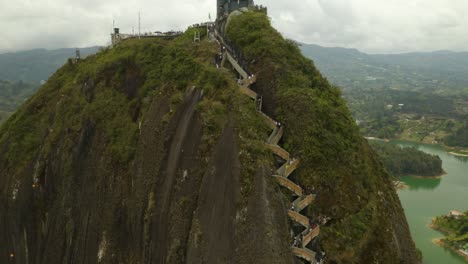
[(77, 54)]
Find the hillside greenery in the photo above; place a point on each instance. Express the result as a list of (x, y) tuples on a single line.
[(401, 161), (80, 134), (110, 93), (321, 131), (456, 230), (92, 91)]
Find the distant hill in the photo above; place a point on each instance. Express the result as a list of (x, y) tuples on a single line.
[(36, 65), (12, 95), (350, 68)]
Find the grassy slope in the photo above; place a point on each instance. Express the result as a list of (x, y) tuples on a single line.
[(112, 89), (102, 100), (110, 93), (354, 189)]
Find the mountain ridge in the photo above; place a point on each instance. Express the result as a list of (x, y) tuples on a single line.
[(37, 64), (351, 68)]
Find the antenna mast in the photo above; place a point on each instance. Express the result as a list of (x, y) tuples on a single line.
[(139, 25)]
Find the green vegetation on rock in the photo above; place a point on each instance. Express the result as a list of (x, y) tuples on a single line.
[(145, 152), (90, 151), (354, 189)]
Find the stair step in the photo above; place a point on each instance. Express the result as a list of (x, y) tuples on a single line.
[(291, 167), (285, 182), (302, 202), (236, 66), (279, 151), (309, 235), (248, 92), (304, 253), (297, 217), (276, 135), (269, 121)]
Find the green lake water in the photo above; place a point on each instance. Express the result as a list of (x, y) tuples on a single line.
[(428, 198)]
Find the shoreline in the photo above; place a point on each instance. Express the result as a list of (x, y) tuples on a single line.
[(444, 173), (440, 241), (450, 150), (378, 139), (401, 186), (458, 154)]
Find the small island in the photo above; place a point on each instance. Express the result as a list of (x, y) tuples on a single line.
[(401, 161), (455, 226)]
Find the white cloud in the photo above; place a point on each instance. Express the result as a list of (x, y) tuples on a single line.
[(376, 25), (28, 24), (369, 25)]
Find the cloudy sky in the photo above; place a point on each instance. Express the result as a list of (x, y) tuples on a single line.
[(375, 26)]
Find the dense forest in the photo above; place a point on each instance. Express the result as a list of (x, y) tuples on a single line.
[(401, 161)]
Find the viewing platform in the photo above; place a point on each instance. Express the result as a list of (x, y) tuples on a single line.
[(118, 37)]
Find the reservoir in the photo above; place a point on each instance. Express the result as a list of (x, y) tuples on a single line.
[(428, 198)]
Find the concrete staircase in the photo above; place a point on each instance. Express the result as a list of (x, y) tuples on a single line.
[(299, 248), (276, 136)]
